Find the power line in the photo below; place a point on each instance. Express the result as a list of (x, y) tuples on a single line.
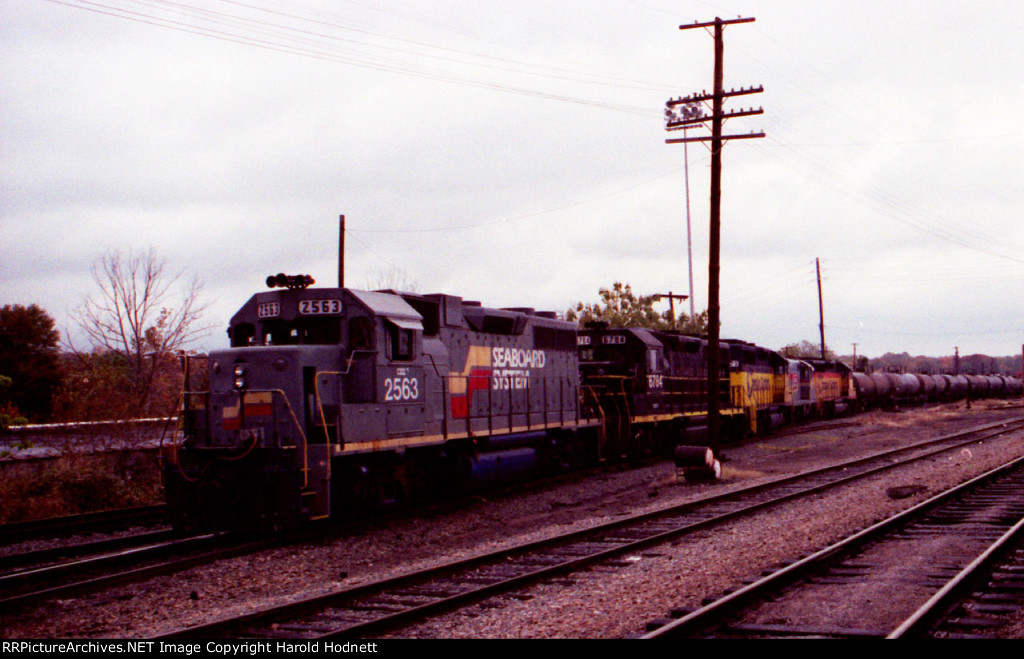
[(333, 48)]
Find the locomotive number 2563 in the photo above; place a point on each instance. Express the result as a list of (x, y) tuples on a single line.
[(399, 389), (319, 307)]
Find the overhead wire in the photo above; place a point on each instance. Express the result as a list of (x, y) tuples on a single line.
[(323, 46), (323, 42)]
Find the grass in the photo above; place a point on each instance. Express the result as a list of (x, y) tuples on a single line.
[(79, 483)]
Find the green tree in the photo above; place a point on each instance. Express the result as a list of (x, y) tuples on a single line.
[(805, 349), (30, 357), (97, 387), (620, 307)]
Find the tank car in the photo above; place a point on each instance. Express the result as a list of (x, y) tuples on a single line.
[(929, 386), (865, 390), (909, 389), (955, 389), (338, 401), (977, 386)]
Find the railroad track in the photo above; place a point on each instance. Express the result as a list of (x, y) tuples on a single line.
[(103, 521), (986, 597), (28, 579), (389, 604), (897, 578)]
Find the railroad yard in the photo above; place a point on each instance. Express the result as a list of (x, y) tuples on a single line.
[(614, 598), (460, 442)]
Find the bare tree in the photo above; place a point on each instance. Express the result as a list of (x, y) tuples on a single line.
[(143, 314), (393, 278)]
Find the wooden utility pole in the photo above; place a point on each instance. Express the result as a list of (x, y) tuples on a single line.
[(684, 112), (821, 309), (341, 252), (672, 297)]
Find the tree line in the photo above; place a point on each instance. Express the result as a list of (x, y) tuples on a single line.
[(139, 324), (142, 320)]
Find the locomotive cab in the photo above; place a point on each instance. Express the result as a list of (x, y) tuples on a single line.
[(626, 381), (799, 396), (262, 438)]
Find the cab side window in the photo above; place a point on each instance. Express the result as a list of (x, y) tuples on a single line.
[(360, 333), (400, 344)]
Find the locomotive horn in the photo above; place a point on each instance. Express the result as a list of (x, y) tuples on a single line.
[(282, 280)]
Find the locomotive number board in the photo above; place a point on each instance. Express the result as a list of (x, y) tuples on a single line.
[(326, 307)]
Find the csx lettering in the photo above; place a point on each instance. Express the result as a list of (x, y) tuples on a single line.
[(399, 389), (517, 358)]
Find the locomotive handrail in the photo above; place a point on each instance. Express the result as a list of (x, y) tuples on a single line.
[(351, 358), (437, 371), (291, 412), (323, 418)]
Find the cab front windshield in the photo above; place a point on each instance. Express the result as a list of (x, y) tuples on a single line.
[(301, 331)]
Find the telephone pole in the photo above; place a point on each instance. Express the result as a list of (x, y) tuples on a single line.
[(672, 297), (341, 251), (821, 309), (681, 113)]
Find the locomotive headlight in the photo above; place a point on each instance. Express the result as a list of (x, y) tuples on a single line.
[(239, 376)]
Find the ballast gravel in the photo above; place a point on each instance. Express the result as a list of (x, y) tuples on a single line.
[(607, 601)]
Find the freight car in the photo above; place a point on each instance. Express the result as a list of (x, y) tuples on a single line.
[(891, 390)]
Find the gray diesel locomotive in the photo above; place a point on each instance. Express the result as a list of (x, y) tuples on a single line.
[(336, 401)]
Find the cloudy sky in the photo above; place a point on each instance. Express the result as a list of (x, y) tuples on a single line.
[(513, 152)]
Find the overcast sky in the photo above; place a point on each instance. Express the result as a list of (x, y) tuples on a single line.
[(513, 152)]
